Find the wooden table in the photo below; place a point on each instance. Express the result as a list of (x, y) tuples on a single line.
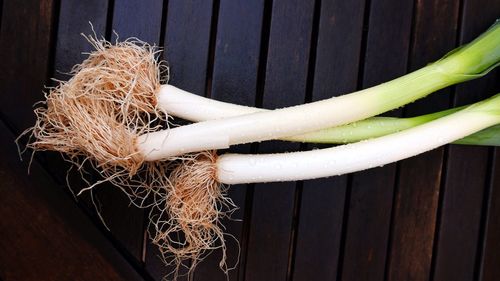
[(432, 217)]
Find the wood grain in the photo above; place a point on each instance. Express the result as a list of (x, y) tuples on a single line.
[(44, 234), (466, 180), (271, 223), (488, 268), (187, 38), (138, 18), (371, 197), (25, 59), (321, 213), (417, 195)]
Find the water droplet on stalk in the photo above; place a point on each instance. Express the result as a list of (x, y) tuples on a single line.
[(252, 161)]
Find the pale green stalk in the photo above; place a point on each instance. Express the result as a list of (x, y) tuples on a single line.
[(380, 126)]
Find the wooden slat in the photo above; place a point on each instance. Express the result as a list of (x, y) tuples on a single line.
[(388, 41), (25, 43), (489, 269), (1, 10), (322, 203), (187, 40), (372, 191), (44, 235), (138, 18), (24, 53), (235, 70), (419, 181), (467, 168), (237, 51), (74, 19), (285, 84)]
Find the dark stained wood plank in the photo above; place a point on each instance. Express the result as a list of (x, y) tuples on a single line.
[(125, 221), (237, 51), (417, 195), (187, 41), (368, 224), (488, 268), (138, 18), (74, 19), (467, 168), (1, 10), (44, 235), (320, 229), (271, 222), (26, 57), (25, 49), (372, 191), (322, 201), (460, 214), (389, 32), (235, 71)]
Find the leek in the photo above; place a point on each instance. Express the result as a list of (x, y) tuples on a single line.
[(465, 63), (238, 168), (197, 108)]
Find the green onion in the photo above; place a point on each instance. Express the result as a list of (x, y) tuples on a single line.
[(380, 126)]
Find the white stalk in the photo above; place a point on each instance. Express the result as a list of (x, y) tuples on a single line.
[(280, 123), (179, 103), (237, 168)]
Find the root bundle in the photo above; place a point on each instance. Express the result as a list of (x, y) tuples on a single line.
[(100, 111), (195, 203), (96, 116)]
